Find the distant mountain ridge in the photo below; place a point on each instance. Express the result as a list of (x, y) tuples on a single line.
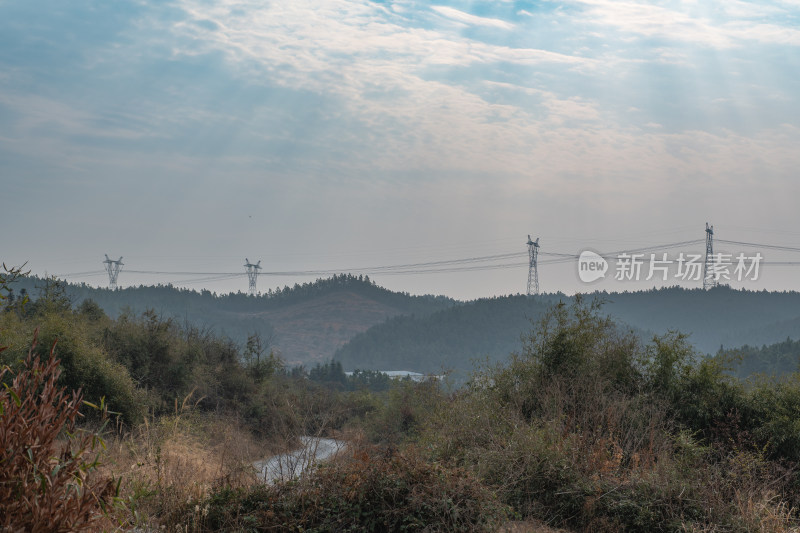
[(448, 339), (365, 326), (720, 316), (491, 329), (306, 322)]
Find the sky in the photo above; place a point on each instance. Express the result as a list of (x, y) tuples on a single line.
[(345, 135)]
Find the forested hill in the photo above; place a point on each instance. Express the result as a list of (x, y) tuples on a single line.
[(374, 328), (720, 316), (446, 340), (775, 360), (307, 322), (453, 338)]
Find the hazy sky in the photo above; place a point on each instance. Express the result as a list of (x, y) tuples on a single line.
[(338, 134)]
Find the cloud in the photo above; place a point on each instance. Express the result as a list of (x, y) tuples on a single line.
[(723, 25), (331, 113), (470, 19), (646, 19), (350, 91), (764, 33)]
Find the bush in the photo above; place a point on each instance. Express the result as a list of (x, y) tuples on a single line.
[(371, 491), (775, 423), (46, 484), (590, 429), (86, 366), (400, 416)]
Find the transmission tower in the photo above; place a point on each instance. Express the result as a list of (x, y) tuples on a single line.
[(113, 268), (533, 268), (252, 275), (709, 277)]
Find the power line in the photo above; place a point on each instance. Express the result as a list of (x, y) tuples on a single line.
[(83, 274), (374, 269), (211, 278), (443, 266), (179, 273), (565, 258), (758, 245), (499, 261)]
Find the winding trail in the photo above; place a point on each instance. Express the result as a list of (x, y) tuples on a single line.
[(286, 466)]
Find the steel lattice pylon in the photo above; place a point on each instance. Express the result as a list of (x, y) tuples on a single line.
[(113, 268), (252, 275), (533, 268), (709, 272)]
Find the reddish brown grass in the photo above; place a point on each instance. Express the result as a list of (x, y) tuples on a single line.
[(45, 479)]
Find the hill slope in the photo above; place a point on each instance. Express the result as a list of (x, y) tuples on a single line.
[(306, 323), (452, 338), (445, 340), (775, 360), (721, 316), (368, 327), (313, 329)]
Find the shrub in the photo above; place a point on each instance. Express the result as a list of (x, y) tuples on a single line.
[(46, 484), (775, 420), (88, 367), (370, 491), (401, 415), (590, 429)]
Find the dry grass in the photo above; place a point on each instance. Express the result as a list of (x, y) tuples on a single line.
[(760, 511), (167, 463), (530, 526), (766, 513)]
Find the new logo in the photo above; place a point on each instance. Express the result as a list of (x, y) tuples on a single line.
[(591, 266)]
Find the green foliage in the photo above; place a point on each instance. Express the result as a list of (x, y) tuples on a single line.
[(170, 361), (259, 366), (148, 363), (453, 337), (722, 315), (400, 417), (53, 297), (705, 397), (775, 418), (84, 364), (773, 361), (89, 309), (239, 315), (588, 428), (760, 415), (372, 380), (575, 351), (8, 276), (330, 374), (449, 338), (668, 361)]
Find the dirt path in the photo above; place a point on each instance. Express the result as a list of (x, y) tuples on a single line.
[(286, 466)]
